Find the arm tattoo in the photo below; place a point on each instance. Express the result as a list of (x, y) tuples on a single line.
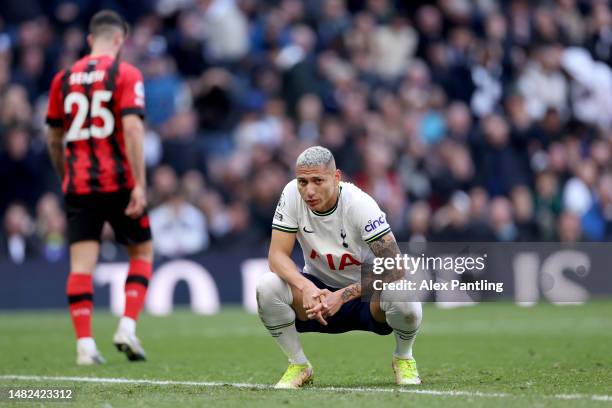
[(351, 292), (386, 247)]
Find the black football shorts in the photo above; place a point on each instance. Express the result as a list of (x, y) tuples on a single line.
[(353, 315), (87, 213)]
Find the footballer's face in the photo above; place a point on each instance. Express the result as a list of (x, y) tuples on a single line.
[(318, 186)]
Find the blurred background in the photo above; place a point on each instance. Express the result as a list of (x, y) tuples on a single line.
[(480, 120)]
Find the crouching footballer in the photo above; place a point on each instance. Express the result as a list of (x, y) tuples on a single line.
[(339, 227)]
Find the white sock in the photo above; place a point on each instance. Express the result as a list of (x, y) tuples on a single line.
[(405, 320), (127, 325), (274, 300), (87, 344)]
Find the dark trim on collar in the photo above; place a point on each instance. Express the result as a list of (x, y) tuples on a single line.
[(331, 210)]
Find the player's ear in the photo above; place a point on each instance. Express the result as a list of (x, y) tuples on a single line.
[(118, 39), (90, 40), (338, 176)]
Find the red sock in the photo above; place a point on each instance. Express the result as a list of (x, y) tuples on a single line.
[(80, 302), (136, 287)]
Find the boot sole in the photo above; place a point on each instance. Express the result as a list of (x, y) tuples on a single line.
[(129, 352)]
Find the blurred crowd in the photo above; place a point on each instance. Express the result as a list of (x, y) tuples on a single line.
[(465, 119)]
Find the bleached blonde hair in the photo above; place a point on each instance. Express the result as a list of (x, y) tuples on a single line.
[(316, 156)]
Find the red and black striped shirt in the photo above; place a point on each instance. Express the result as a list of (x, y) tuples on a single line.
[(88, 101)]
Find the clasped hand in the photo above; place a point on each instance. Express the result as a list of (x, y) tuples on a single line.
[(320, 304)]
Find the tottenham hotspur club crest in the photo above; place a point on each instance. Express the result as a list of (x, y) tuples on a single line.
[(343, 236)]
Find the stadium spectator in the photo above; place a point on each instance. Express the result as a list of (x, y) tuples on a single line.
[(179, 227), (51, 228), (488, 98), (393, 47), (17, 243), (605, 203), (547, 204), (164, 183), (479, 205), (178, 136), (543, 84), (501, 220), (162, 86), (225, 30), (523, 209), (569, 228), (499, 164), (15, 110), (452, 222), (600, 41), (578, 194), (591, 89), (21, 169), (420, 214)]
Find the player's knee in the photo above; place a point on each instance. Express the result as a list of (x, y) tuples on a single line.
[(271, 288), (142, 251), (410, 312)]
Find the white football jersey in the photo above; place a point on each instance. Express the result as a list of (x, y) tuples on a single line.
[(334, 243)]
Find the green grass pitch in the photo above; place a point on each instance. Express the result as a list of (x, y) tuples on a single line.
[(484, 355)]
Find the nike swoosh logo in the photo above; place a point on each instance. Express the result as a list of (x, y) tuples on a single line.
[(305, 230)]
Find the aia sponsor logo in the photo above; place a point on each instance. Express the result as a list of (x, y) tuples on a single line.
[(372, 225), (345, 260)]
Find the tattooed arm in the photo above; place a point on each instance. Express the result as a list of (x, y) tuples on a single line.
[(383, 247), (386, 247), (351, 292), (335, 300), (55, 145)]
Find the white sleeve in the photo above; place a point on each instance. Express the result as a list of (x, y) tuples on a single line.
[(285, 215), (369, 219)]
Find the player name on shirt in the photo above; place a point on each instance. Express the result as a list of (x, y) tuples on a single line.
[(81, 78)]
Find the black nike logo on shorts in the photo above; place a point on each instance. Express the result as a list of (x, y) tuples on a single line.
[(305, 230)]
